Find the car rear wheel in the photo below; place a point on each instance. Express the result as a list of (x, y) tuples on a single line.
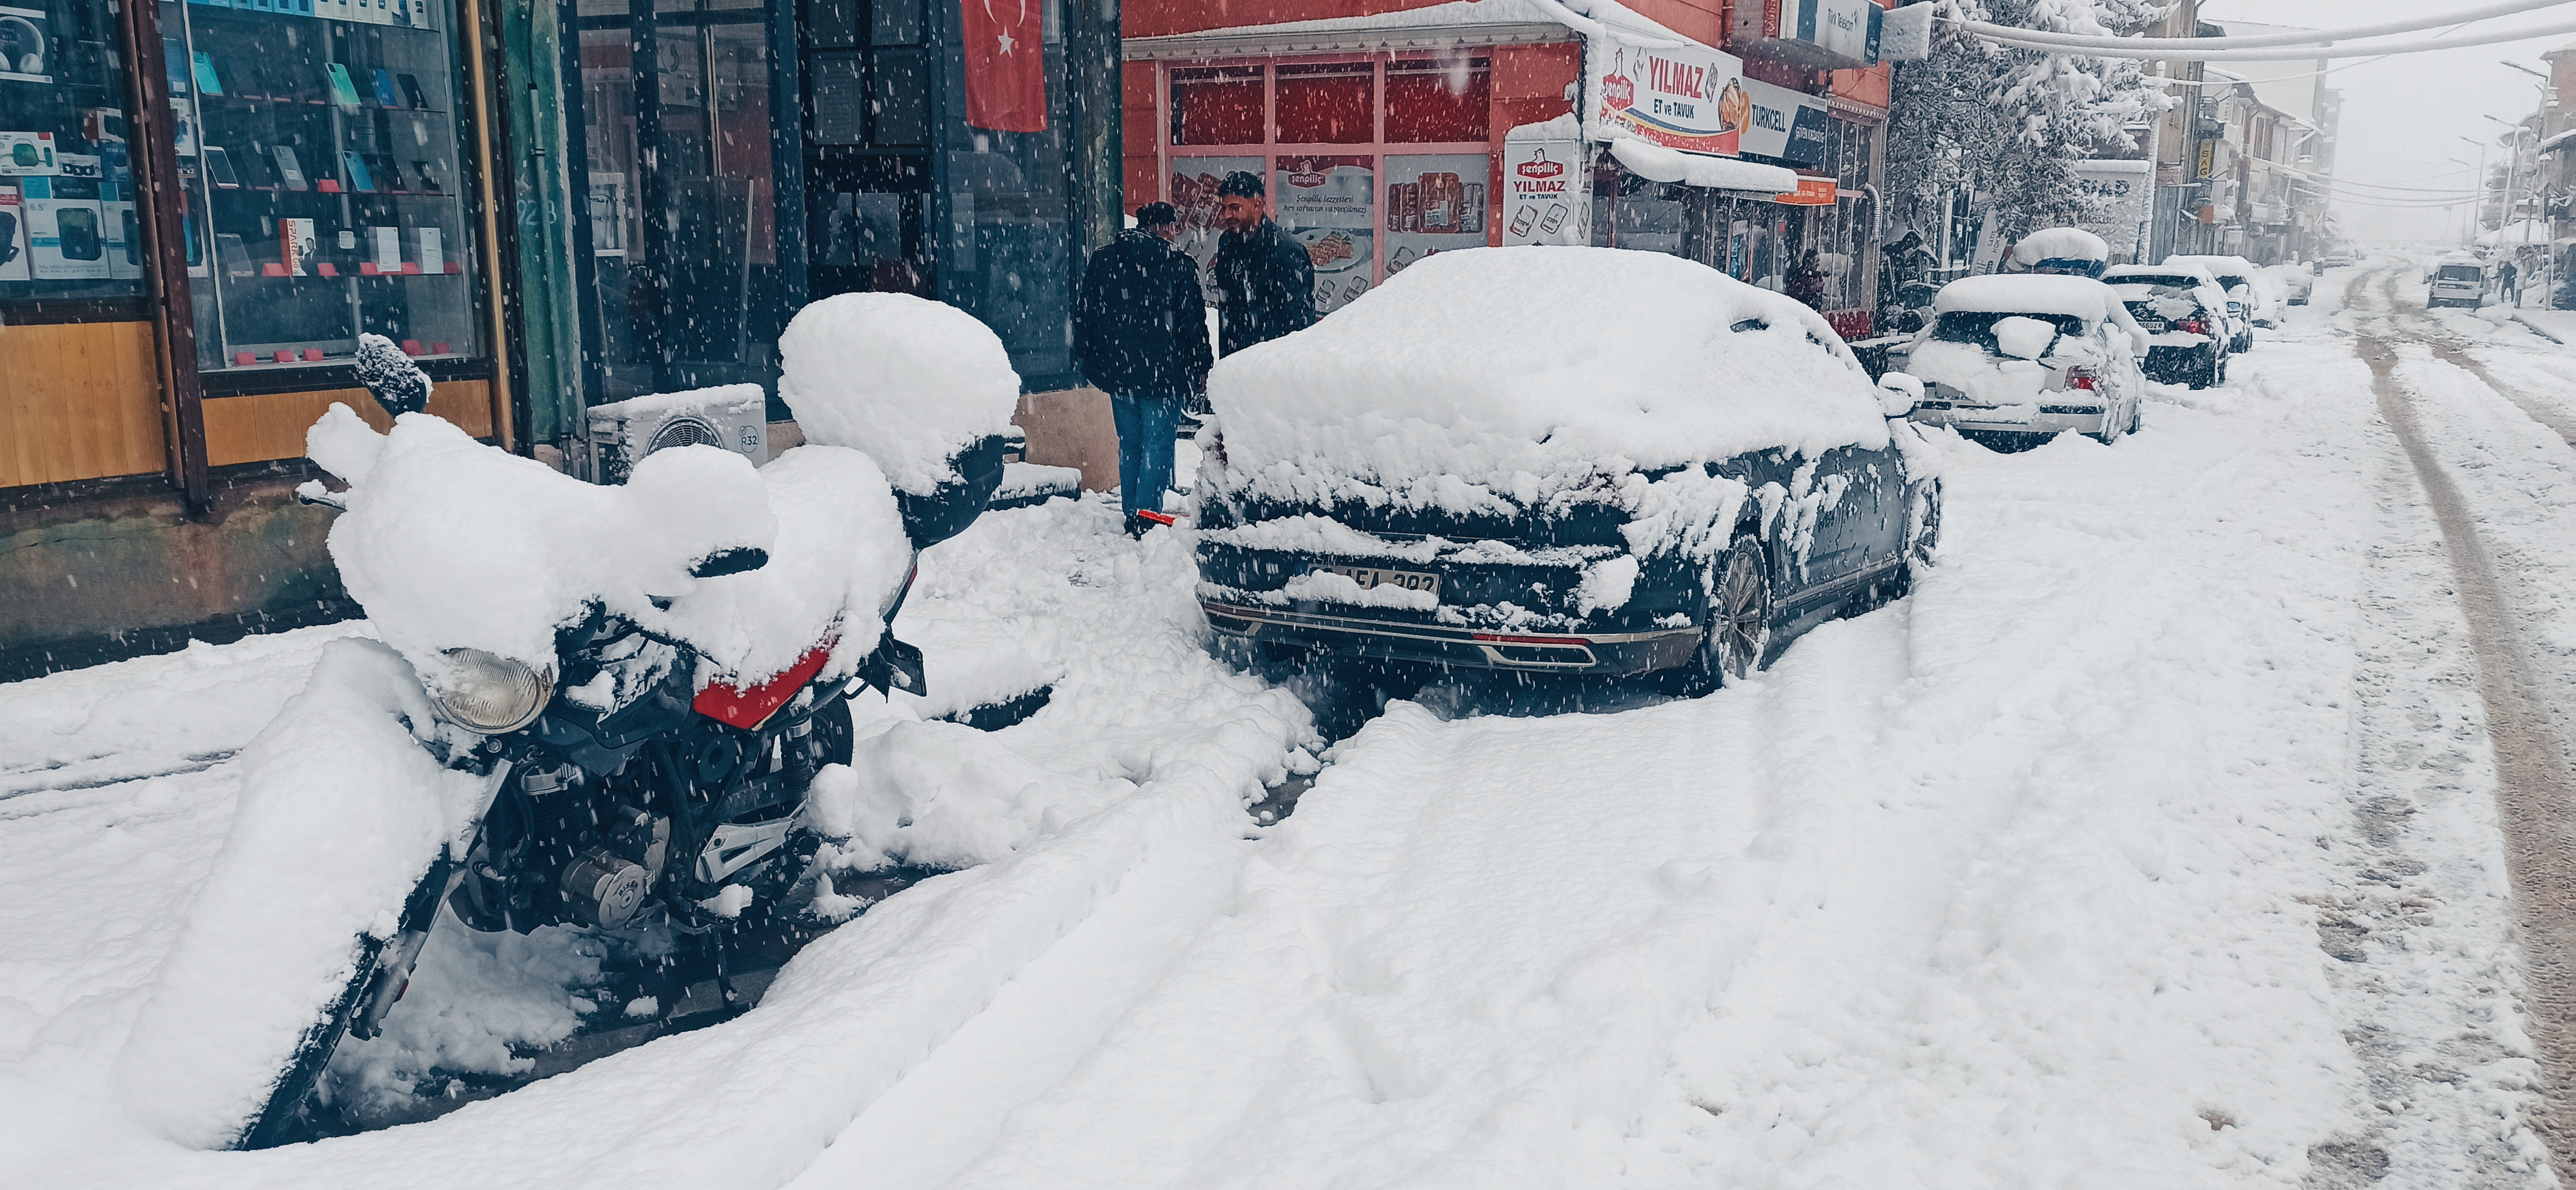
[(1739, 623)]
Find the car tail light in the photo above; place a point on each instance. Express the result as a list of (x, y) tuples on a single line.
[(2193, 326), (2080, 378)]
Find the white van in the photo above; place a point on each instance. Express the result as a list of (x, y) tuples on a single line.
[(2457, 280)]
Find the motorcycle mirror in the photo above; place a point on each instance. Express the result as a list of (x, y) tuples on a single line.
[(739, 560), (1898, 394)]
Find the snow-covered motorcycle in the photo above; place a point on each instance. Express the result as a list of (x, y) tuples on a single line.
[(598, 706)]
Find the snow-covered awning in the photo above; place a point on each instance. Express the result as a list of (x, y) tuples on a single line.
[(1440, 26), (2527, 231), (1660, 164), (2560, 141)]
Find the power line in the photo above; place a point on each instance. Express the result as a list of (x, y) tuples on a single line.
[(2124, 47), (2294, 37)]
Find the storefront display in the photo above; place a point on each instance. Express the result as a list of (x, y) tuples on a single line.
[(1372, 161), (325, 186), (66, 192)]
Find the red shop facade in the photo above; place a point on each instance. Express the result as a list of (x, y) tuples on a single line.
[(1380, 129)]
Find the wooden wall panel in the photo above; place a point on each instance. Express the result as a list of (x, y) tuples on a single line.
[(271, 425), (78, 401)]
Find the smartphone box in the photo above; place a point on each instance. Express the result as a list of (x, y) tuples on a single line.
[(296, 246), (427, 246), (118, 221), (388, 248), (13, 236)]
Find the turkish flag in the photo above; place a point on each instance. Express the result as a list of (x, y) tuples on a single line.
[(1005, 65)]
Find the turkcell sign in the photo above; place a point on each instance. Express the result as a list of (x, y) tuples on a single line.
[(1691, 98), (1784, 124)]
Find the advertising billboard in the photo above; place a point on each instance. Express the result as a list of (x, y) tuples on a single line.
[(1692, 98)]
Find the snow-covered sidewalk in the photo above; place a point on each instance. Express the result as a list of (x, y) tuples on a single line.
[(2150, 843)]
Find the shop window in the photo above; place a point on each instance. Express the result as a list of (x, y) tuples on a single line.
[(1217, 106), (1438, 102), (68, 227), (1332, 103), (325, 186), (1005, 236)]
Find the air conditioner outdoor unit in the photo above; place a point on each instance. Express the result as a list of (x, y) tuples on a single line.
[(732, 416)]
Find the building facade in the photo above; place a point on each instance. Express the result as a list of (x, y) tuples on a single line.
[(1743, 138), (550, 206)]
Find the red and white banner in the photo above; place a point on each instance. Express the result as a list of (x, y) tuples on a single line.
[(1005, 65)]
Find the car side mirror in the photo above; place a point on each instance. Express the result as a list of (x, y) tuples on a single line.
[(1898, 394)]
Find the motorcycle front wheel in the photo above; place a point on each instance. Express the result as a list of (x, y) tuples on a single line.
[(380, 973)]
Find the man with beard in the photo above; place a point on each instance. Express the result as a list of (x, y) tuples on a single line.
[(1265, 281)]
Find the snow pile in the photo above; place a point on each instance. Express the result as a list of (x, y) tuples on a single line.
[(449, 543), (341, 812), (1490, 380), (908, 380), (2059, 243), (1647, 159), (2024, 338), (2016, 293)]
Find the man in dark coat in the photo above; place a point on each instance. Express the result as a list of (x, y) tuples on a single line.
[(1141, 336), (1265, 282)]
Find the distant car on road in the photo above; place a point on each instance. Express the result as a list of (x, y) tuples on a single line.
[(2297, 282), (2026, 355), (2458, 279), (1555, 460), (2185, 317)]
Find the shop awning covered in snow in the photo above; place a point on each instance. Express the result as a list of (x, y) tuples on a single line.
[(1691, 169)]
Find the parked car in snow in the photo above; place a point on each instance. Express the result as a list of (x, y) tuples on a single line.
[(2458, 279), (2066, 250), (2247, 305), (2184, 315), (2295, 281), (1555, 460), (2029, 356)]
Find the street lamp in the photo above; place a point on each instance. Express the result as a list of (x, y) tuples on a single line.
[(2463, 165)]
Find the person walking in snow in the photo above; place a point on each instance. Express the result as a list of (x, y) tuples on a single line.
[(1807, 281), (1140, 334), (1265, 281)]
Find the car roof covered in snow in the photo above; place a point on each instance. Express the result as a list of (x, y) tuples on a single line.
[(2027, 293), (2217, 266), (2059, 243), (2155, 274), (1507, 368)]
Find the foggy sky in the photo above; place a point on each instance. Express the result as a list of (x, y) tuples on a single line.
[(2403, 115)]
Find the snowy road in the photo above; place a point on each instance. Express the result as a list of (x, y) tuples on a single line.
[(2154, 841)]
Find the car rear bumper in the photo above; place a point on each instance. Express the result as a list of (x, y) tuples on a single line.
[(1355, 633), (2050, 418), (1496, 608)]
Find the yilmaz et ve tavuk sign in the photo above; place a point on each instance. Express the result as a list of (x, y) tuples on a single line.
[(1692, 98)]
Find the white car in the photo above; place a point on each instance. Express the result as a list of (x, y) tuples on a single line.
[(2030, 356), (2296, 281), (2458, 279), (2185, 317), (2238, 279)]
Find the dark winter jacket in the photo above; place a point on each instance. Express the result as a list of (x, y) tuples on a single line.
[(1140, 323), (1265, 287)]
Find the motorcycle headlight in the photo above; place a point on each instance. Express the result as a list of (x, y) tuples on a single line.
[(491, 694)]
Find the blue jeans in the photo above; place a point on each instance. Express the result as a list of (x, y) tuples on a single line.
[(1147, 426)]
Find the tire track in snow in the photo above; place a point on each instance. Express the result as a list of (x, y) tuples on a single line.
[(2534, 792)]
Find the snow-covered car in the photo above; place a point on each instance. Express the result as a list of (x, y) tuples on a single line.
[(2458, 279), (2184, 315), (2067, 250), (1555, 459), (2295, 281), (2236, 277), (2030, 355)]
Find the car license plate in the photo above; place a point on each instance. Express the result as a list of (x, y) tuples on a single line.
[(1371, 577)]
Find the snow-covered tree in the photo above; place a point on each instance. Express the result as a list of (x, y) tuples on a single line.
[(2011, 123)]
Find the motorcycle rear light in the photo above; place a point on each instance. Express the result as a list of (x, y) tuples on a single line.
[(2193, 326), (2080, 378)]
